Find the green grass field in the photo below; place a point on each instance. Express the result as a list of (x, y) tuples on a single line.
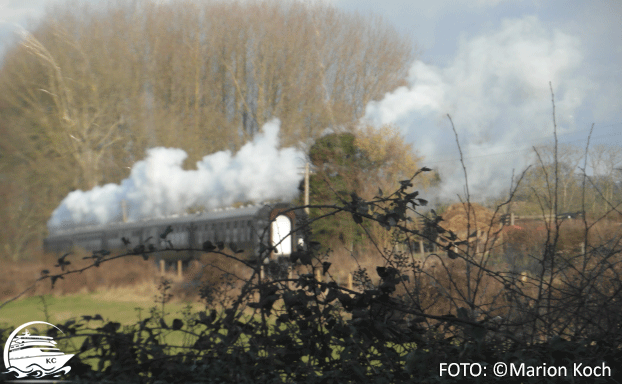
[(118, 307), (62, 308)]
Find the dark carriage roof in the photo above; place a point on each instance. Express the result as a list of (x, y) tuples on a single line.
[(248, 211)]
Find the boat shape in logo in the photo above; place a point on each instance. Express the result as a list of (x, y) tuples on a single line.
[(28, 355)]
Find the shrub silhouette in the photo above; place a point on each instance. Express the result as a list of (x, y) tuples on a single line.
[(399, 324), (398, 330)]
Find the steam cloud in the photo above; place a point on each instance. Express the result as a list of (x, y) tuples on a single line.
[(158, 186), (497, 93)]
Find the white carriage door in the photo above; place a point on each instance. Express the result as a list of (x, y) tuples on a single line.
[(281, 227)]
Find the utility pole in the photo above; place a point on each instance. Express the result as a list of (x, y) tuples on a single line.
[(307, 188), (124, 210), (307, 172)]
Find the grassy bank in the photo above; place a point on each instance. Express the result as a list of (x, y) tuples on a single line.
[(113, 305)]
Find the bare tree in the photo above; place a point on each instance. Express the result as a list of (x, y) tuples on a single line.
[(90, 89), (606, 163), (69, 104)]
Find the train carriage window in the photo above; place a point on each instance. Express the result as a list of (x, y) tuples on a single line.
[(198, 237), (280, 228), (179, 237)]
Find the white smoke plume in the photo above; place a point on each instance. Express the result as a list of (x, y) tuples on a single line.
[(496, 90), (159, 187)]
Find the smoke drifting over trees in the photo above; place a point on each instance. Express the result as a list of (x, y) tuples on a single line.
[(89, 92), (158, 186), (85, 94), (496, 90)]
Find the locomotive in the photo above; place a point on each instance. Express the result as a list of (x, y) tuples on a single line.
[(244, 228)]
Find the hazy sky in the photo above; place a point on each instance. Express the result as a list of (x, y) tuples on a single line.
[(488, 64)]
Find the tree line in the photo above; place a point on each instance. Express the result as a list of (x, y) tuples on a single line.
[(86, 91), (589, 179)]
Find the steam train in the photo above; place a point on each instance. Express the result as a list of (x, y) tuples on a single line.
[(243, 228)]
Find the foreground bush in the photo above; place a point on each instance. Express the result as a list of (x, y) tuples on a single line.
[(451, 307)]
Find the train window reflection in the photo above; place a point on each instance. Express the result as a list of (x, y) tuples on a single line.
[(281, 227)]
